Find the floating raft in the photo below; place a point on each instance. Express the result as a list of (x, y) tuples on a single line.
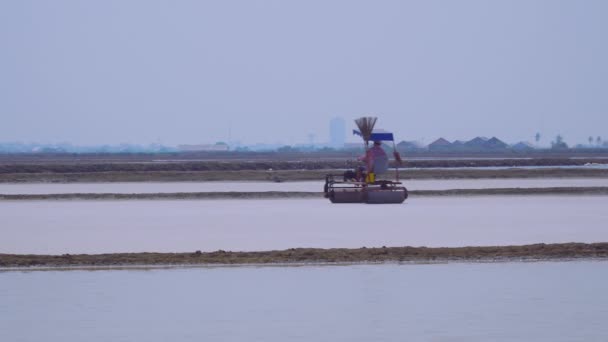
[(380, 192)]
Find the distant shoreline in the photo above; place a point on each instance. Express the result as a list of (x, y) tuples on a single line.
[(319, 155), (278, 168), (76, 163), (303, 256)]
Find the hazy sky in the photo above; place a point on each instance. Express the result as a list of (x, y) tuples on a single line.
[(91, 72)]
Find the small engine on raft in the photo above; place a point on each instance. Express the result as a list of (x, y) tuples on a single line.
[(362, 185)]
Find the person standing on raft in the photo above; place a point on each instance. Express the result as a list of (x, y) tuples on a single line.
[(376, 161)]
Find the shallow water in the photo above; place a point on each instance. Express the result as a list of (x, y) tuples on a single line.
[(314, 186), (57, 227), (556, 301)]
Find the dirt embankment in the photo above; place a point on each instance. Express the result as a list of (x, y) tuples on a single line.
[(285, 175), (311, 255), (90, 169)]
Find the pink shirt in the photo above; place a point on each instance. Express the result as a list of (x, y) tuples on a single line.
[(371, 155)]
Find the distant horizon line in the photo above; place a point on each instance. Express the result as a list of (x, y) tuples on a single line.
[(235, 142)]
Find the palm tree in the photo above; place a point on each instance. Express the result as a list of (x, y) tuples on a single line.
[(537, 138), (559, 143), (598, 140), (590, 140)]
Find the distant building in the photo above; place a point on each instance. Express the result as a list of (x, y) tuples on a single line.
[(477, 143), (522, 146), (485, 144), (217, 147), (458, 145), (495, 144), (408, 146), (440, 145), (337, 132), (559, 145)]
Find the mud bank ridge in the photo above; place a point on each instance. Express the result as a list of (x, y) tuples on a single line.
[(313, 255)]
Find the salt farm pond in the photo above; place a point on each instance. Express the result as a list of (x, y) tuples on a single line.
[(539, 301), (308, 186), (504, 301), (58, 227)]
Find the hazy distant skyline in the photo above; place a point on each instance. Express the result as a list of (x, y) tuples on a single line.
[(183, 72)]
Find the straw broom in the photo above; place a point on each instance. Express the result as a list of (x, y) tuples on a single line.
[(366, 126)]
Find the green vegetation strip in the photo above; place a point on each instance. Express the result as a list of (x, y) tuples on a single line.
[(302, 194), (313, 255)]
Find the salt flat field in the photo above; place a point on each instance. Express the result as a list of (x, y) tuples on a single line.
[(541, 301), (57, 227), (312, 186)]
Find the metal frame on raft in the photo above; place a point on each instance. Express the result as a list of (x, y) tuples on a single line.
[(378, 192), (371, 192)]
